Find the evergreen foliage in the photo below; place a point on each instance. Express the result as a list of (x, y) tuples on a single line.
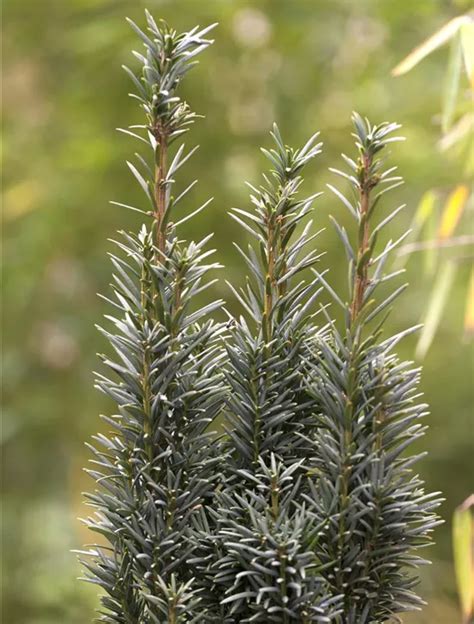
[(269, 406), (159, 468), (305, 509), (268, 568), (375, 510)]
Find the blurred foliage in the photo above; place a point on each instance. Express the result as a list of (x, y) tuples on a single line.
[(463, 545), (305, 63), (444, 233)]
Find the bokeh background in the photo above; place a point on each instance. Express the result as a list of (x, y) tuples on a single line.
[(306, 64)]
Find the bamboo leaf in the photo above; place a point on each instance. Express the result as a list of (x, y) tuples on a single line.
[(439, 38), (463, 543), (467, 44), (460, 130), (451, 89), (437, 302), (424, 210), (469, 314), (452, 211)]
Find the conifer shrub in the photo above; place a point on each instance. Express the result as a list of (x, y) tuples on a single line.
[(303, 506)]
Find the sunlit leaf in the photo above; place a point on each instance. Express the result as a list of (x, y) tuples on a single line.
[(451, 89), (463, 542), (439, 38), (467, 44), (425, 209), (461, 129), (452, 211), (469, 315), (439, 296)]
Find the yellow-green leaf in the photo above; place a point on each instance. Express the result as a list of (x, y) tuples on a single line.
[(469, 314), (467, 44), (424, 209), (439, 38), (452, 211), (463, 542), (451, 88), (434, 311)]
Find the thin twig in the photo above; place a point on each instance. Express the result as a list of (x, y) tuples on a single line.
[(457, 241)]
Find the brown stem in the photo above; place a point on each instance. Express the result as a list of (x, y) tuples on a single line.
[(160, 201), (172, 613), (360, 286), (160, 190), (362, 269)]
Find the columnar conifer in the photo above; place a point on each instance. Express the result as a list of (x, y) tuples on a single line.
[(304, 507)]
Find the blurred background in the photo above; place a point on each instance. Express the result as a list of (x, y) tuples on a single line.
[(304, 63)]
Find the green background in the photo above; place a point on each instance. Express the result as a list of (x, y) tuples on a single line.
[(306, 64)]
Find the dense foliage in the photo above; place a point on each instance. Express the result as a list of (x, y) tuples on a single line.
[(161, 466), (306, 508)]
